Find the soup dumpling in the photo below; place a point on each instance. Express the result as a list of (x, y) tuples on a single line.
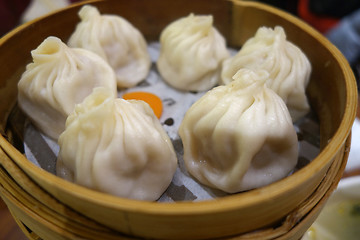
[(288, 66), (191, 53), (58, 78), (239, 136), (116, 146), (117, 41)]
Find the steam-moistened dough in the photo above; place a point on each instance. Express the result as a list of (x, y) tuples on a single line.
[(58, 78), (117, 41), (116, 146), (191, 53), (239, 136), (288, 66)]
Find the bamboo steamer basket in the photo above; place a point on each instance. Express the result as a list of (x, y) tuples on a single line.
[(50, 206)]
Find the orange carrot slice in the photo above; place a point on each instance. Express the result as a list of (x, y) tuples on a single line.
[(151, 99)]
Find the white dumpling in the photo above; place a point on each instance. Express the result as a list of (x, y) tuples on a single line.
[(191, 53), (116, 146), (288, 66), (239, 136), (117, 41), (58, 78)]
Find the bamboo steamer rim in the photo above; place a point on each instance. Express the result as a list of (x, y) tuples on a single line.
[(224, 203)]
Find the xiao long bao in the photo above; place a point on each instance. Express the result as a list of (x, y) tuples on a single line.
[(239, 136), (58, 78), (287, 65), (116, 146), (191, 53), (117, 41)]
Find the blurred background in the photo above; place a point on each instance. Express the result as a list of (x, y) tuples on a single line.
[(338, 20)]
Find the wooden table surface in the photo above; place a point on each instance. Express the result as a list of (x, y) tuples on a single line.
[(9, 230)]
